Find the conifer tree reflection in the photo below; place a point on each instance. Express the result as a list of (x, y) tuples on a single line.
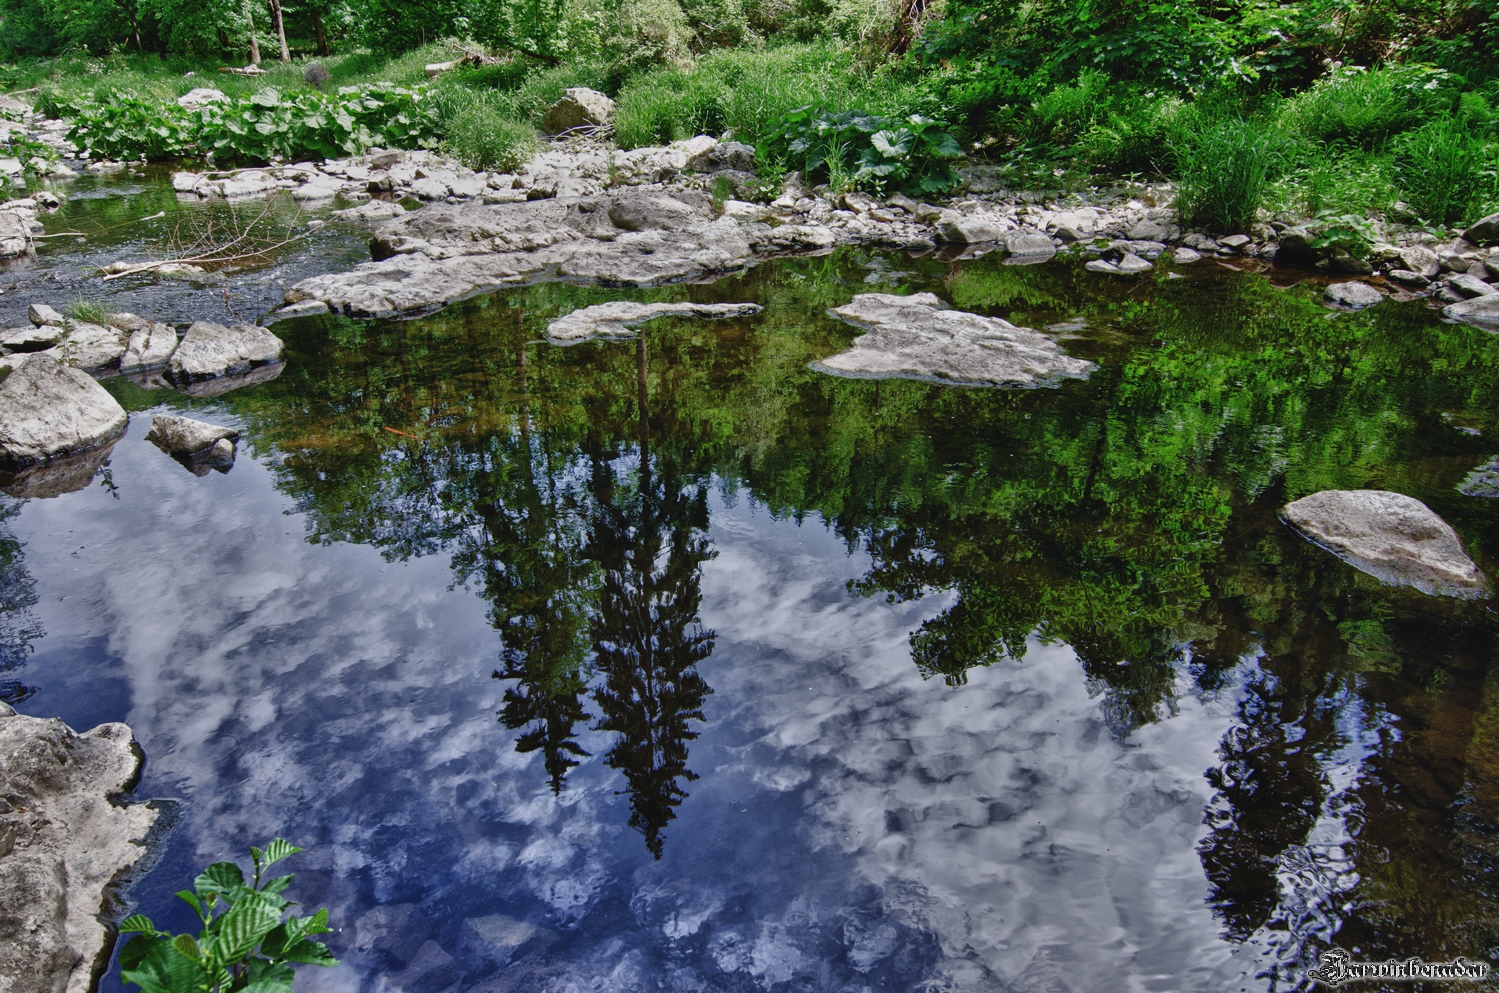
[(651, 541), (541, 589)]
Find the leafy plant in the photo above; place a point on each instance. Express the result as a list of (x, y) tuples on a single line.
[(116, 125), (88, 311), (853, 149), (481, 136), (248, 942)]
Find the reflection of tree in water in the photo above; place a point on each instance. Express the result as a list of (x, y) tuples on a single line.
[(18, 626), (651, 541)]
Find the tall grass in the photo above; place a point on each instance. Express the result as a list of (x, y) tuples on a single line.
[(1224, 169), (1445, 171), (482, 136), (1365, 108)]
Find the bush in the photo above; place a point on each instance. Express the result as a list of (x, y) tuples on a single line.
[(1444, 171), (1223, 171), (850, 149), (126, 126), (482, 137), (1366, 108)]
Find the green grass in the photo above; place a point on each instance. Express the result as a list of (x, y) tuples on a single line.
[(88, 311), (1224, 169), (482, 136), (1446, 172)]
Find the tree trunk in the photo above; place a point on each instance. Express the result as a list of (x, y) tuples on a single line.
[(280, 29), (135, 32), (254, 44), (321, 34)]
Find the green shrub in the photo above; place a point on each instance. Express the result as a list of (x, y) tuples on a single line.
[(1445, 171), (850, 149), (481, 136), (1137, 136), (1067, 111), (1367, 107), (125, 126), (1223, 171), (1332, 180), (248, 940)]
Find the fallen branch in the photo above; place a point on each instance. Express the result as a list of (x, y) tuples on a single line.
[(250, 70), (200, 260)]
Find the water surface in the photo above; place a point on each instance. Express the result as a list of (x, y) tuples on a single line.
[(673, 664)]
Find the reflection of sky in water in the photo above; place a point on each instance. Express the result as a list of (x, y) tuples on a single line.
[(854, 826)]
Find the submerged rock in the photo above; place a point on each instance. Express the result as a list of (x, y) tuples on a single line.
[(617, 319), (1395, 538), (64, 847), (49, 410), (1354, 296), (211, 351), (1483, 481), (916, 337)]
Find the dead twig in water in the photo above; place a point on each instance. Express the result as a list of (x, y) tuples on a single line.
[(202, 243)]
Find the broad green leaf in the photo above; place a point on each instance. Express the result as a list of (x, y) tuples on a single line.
[(221, 877), (138, 922), (185, 944), (243, 926)]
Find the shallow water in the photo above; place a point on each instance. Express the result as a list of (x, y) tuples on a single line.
[(674, 664)]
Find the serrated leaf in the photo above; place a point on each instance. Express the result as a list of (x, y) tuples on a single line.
[(165, 968), (277, 850), (137, 922), (244, 925), (221, 877), (185, 944)]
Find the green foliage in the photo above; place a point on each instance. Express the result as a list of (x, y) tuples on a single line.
[(1223, 171), (1445, 171), (257, 128), (117, 125), (851, 149), (667, 107), (1365, 108), (30, 152), (482, 136), (88, 311), (248, 940)]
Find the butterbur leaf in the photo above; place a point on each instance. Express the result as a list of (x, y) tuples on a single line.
[(891, 144), (221, 877)]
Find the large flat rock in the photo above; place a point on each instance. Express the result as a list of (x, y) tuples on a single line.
[(49, 410), (1395, 538), (443, 253), (212, 351), (619, 318), (917, 337), (1481, 311), (64, 847)]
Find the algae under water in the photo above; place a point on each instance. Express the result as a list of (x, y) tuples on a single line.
[(675, 664)]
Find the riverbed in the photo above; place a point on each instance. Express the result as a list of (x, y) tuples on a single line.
[(675, 663)]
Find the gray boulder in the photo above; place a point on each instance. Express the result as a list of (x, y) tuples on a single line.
[(1132, 264), (959, 229), (371, 211), (40, 314), (1353, 296), (917, 337), (1185, 256), (15, 235), (1485, 232), (1406, 277), (93, 347), (1420, 259), (1029, 246), (1482, 311), (725, 155), (64, 847), (211, 351), (184, 436), (579, 107), (35, 339), (1470, 285), (48, 410), (150, 347), (619, 318), (1394, 538)]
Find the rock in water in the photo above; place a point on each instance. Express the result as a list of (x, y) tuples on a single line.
[(1354, 296), (63, 848), (915, 337), (150, 347), (1029, 246), (15, 234), (185, 436), (615, 320), (957, 229), (209, 351), (1483, 481), (49, 410), (1394, 538), (579, 107), (1481, 311)]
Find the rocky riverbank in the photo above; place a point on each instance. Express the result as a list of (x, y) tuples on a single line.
[(66, 843)]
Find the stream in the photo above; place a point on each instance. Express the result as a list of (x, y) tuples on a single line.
[(674, 664)]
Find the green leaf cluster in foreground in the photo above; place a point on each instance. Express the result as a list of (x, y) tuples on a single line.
[(249, 942)]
